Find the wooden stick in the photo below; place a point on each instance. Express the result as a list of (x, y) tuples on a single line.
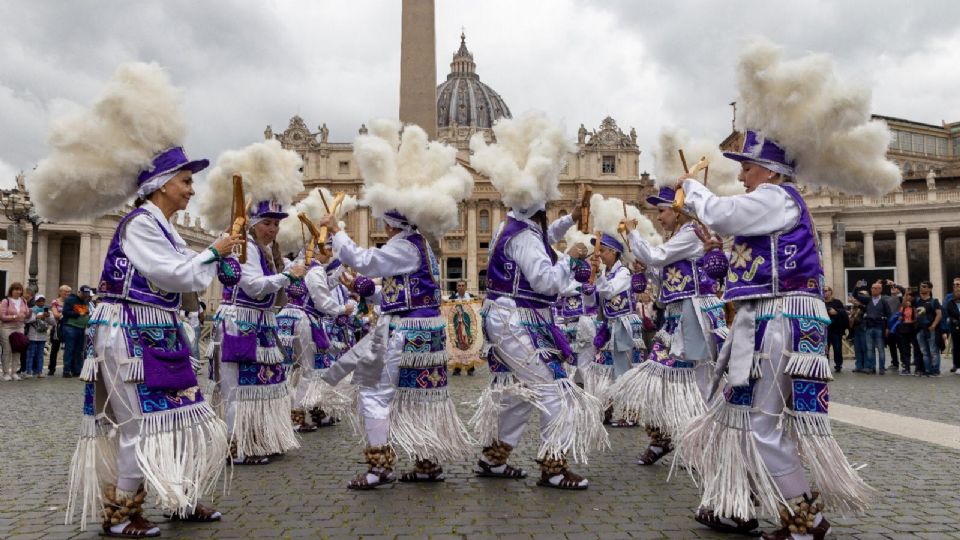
[(683, 161), (324, 200), (706, 173), (585, 210), (239, 217)]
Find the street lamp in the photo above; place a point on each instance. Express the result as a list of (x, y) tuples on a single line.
[(17, 207)]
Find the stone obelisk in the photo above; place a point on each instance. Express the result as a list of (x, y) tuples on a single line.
[(418, 66)]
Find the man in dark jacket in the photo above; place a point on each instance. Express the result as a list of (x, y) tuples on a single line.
[(876, 313), (951, 307), (838, 327)]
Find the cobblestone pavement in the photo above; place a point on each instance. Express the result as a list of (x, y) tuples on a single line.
[(304, 495), (929, 398)]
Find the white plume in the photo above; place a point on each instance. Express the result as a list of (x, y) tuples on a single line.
[(98, 152), (573, 236), (722, 178), (289, 236), (524, 164), (823, 122), (607, 213), (269, 173), (406, 172)]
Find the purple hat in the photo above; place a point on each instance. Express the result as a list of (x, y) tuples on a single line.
[(764, 152), (170, 160), (268, 209), (395, 219), (610, 242), (663, 198)]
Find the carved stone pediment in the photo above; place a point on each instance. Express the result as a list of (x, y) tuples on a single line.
[(610, 136)]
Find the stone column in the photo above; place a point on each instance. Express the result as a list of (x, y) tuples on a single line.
[(826, 250), (418, 65), (84, 265), (495, 216), (471, 239), (869, 258), (936, 262), (363, 227), (43, 249), (903, 261)]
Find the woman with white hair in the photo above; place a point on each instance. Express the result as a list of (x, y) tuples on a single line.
[(140, 380)]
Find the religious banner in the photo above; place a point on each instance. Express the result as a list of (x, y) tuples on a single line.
[(464, 337)]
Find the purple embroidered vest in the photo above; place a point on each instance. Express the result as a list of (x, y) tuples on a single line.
[(235, 295), (621, 303), (780, 264), (504, 277), (119, 280), (685, 279), (417, 290), (571, 306)]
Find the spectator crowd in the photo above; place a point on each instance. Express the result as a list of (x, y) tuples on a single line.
[(885, 320), (33, 329)]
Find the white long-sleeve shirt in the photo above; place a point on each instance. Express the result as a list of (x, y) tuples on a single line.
[(527, 249), (253, 281), (613, 282), (171, 268), (766, 210), (397, 256), (324, 298), (683, 245)]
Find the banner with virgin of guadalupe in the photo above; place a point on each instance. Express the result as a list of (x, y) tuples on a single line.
[(464, 337)]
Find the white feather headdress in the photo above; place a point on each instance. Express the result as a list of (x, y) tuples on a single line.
[(823, 122), (607, 213), (722, 178), (290, 236), (573, 236), (408, 173), (98, 152), (269, 172), (524, 164)]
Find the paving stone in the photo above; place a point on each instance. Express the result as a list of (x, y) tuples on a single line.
[(304, 495)]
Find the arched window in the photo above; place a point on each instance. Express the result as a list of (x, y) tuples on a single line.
[(378, 225), (484, 221)]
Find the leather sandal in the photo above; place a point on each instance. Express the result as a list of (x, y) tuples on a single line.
[(570, 480), (251, 460), (362, 484), (649, 457), (200, 514), (728, 525), (435, 475), (509, 471), (138, 527)]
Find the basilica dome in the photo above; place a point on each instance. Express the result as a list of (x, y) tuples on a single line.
[(463, 100)]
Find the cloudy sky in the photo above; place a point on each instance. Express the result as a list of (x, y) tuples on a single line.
[(246, 64)]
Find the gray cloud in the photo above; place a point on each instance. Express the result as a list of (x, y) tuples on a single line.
[(244, 65)]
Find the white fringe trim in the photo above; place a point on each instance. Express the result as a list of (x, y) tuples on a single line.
[(94, 465), (182, 453), (813, 366), (425, 425), (91, 368), (339, 401), (721, 455), (261, 425), (598, 380), (840, 486), (485, 422), (577, 429)]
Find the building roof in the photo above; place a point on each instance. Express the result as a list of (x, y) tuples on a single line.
[(465, 101)]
